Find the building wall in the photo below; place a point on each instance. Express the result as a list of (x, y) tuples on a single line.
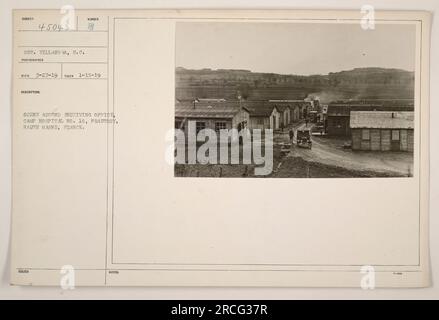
[(295, 114), (209, 123), (356, 139), (375, 139), (241, 116), (275, 119), (337, 125), (261, 123), (410, 140), (383, 139), (285, 117)]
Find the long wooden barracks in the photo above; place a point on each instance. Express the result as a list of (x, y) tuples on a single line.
[(217, 114), (382, 130)]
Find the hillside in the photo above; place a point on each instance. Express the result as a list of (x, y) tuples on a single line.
[(359, 83)]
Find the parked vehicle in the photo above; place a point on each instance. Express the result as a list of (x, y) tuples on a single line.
[(304, 139), (319, 127)]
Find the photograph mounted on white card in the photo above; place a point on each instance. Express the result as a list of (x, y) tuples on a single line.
[(127, 122)]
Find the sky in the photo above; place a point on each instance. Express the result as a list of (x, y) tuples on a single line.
[(294, 48)]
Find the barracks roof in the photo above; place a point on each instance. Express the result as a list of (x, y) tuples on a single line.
[(220, 108), (208, 109), (382, 119), (342, 109)]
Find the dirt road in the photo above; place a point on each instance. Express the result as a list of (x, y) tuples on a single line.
[(330, 151)]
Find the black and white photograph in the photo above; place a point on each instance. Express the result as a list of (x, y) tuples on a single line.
[(294, 100), (124, 122)]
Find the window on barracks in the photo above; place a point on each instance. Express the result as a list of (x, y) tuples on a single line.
[(200, 126), (365, 134), (179, 125), (220, 126), (395, 135)]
